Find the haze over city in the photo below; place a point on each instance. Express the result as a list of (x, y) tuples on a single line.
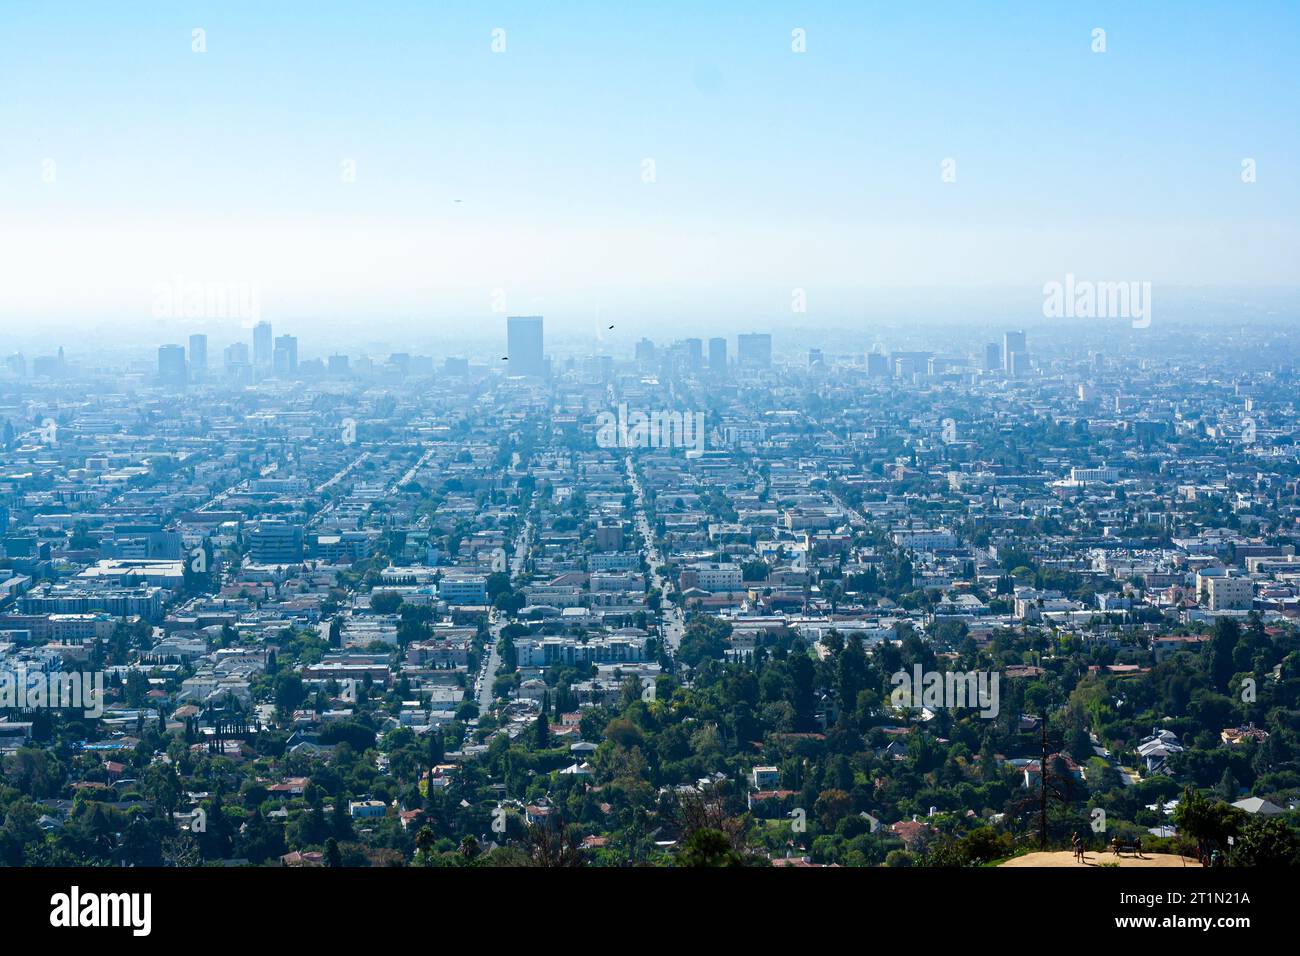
[(663, 164)]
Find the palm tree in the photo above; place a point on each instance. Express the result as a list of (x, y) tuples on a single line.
[(469, 849)]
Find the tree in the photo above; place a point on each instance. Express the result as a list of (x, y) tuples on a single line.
[(469, 849), (261, 839), (708, 848), (289, 693), (1209, 824), (437, 747), (342, 818), (498, 583), (554, 846), (1266, 841), (385, 602), (1218, 652), (705, 639), (831, 805), (425, 841)]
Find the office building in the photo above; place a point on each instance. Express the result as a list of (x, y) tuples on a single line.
[(171, 365), (1013, 344), (238, 368), (198, 357), (718, 356), (524, 345), (263, 347), (275, 542), (754, 350), (693, 351), (285, 355)]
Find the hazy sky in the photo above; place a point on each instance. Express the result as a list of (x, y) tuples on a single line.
[(128, 161)]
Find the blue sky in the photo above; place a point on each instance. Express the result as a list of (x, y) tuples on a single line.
[(773, 170)]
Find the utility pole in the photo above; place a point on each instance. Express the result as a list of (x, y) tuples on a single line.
[(1042, 789)]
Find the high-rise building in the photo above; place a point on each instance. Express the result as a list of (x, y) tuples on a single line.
[(263, 347), (285, 356), (754, 350), (524, 345), (992, 357), (816, 358), (49, 366), (694, 349), (1013, 342), (338, 365), (1016, 364), (198, 357), (238, 367), (171, 365), (908, 364), (645, 352), (236, 354), (718, 356)]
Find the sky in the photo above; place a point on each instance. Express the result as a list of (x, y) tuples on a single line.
[(361, 165)]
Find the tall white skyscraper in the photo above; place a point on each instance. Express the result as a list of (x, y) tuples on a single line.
[(524, 345), (263, 345), (198, 357)]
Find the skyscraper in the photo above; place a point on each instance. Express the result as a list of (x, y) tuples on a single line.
[(236, 354), (754, 350), (524, 345), (285, 356), (992, 357), (644, 352), (263, 347), (171, 365), (237, 365), (718, 356), (1013, 342), (198, 357)]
